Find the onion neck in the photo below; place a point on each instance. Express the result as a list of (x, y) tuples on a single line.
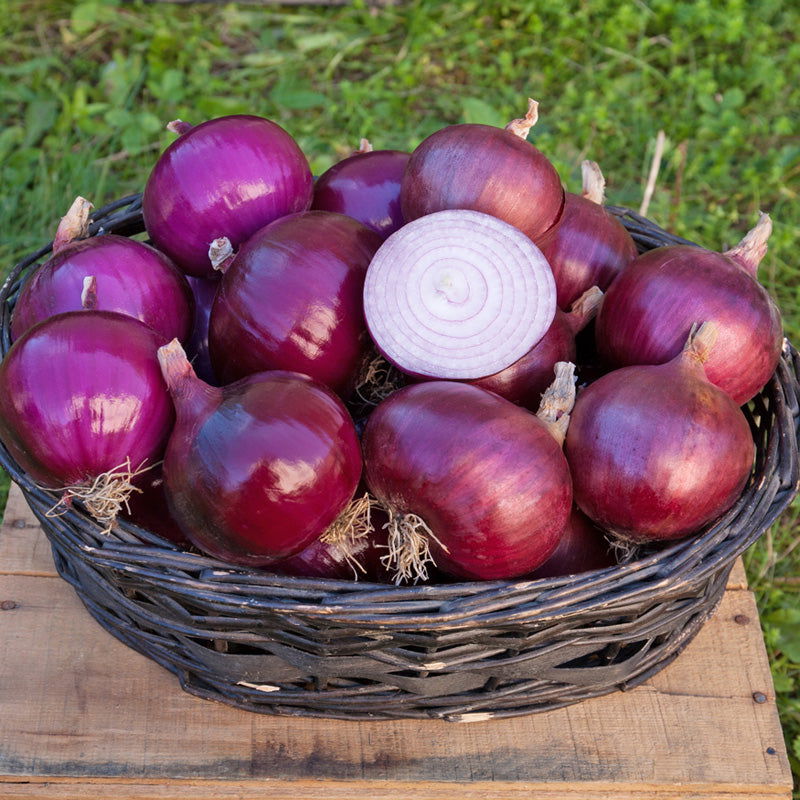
[(89, 293), (522, 127), (74, 224), (594, 184), (364, 146), (179, 126), (585, 309), (220, 254), (558, 400), (193, 398), (751, 250), (700, 343)]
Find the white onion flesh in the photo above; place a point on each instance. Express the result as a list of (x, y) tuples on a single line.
[(458, 294)]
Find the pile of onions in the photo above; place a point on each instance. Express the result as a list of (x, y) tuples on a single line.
[(472, 482), (589, 246), (257, 470), (83, 406), (131, 278), (292, 299), (482, 168), (657, 452), (651, 307), (227, 177), (458, 294), (366, 187)]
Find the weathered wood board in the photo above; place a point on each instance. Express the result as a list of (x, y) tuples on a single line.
[(82, 716)]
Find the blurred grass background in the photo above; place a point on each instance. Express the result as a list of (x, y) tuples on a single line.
[(86, 87)]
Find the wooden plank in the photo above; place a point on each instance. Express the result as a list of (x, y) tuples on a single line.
[(84, 716)]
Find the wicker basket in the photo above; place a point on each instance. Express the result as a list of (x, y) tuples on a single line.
[(459, 652)]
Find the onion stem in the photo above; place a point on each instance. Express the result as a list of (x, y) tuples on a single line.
[(74, 224), (558, 400)]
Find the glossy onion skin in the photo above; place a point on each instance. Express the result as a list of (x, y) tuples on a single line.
[(588, 247), (132, 278), (229, 177), (486, 169), (80, 393), (486, 476), (366, 187), (657, 452), (524, 381), (582, 548), (149, 508), (293, 299), (649, 310), (258, 470), (204, 291)]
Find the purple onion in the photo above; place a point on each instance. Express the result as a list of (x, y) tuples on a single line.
[(259, 469), (366, 187), (650, 308), (227, 177), (292, 299), (204, 291)]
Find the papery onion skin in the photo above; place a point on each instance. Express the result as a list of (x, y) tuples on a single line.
[(486, 476), (228, 177), (582, 548), (485, 169), (132, 279), (366, 187), (257, 470), (649, 310), (204, 291), (293, 299), (80, 395), (657, 452), (588, 247)]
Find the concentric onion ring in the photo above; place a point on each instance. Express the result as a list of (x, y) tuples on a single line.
[(458, 294)]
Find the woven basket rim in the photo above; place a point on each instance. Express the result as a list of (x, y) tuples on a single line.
[(447, 606)]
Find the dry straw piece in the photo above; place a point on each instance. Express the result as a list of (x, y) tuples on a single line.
[(460, 652)]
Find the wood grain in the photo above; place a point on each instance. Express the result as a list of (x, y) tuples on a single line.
[(84, 716)]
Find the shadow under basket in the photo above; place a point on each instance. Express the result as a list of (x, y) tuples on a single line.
[(458, 652)]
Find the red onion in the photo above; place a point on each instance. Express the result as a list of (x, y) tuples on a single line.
[(226, 177), (292, 299), (485, 169), (471, 481), (83, 407), (365, 186), (259, 469), (650, 308), (658, 451), (582, 548), (131, 277), (589, 246), (204, 291), (458, 294), (524, 381)]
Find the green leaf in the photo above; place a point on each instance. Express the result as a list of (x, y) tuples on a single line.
[(316, 41), (88, 15), (39, 118), (479, 111), (297, 98)]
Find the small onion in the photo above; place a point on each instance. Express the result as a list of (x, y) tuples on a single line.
[(227, 177), (366, 187), (650, 308), (482, 168), (589, 246), (657, 452), (132, 279), (458, 294), (83, 406), (292, 299), (472, 482), (257, 470)]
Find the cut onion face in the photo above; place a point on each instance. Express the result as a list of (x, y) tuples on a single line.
[(458, 294)]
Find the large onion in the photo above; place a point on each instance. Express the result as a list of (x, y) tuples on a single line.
[(458, 294), (650, 308), (259, 469), (492, 170), (657, 452), (293, 299), (477, 483), (226, 177), (131, 279)]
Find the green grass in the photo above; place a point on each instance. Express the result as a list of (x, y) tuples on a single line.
[(87, 87)]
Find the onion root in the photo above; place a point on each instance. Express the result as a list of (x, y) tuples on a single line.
[(409, 547), (353, 524)]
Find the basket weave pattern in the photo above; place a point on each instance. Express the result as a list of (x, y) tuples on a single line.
[(459, 652)]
